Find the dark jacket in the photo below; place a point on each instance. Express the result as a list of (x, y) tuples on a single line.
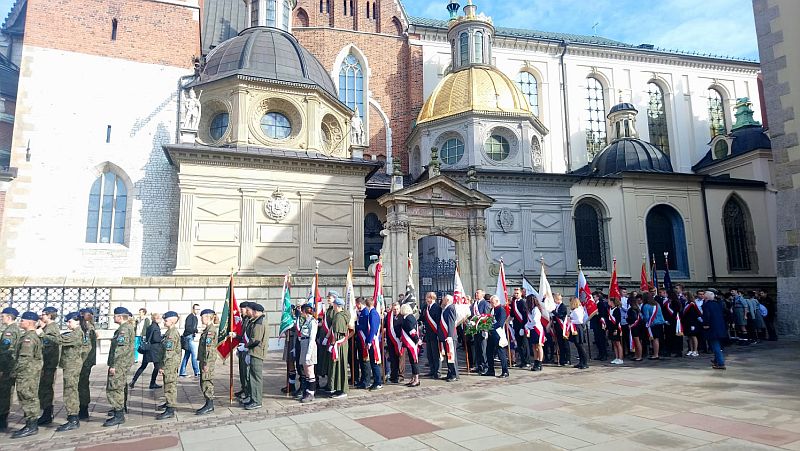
[(447, 324), (153, 336), (519, 312), (190, 326), (714, 320), (430, 318), (500, 317)]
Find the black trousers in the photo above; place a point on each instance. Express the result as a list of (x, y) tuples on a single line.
[(579, 342), (564, 356), (394, 363), (432, 354), (452, 368), (523, 347), (493, 349), (479, 350), (772, 334), (601, 341), (549, 348), (146, 361)]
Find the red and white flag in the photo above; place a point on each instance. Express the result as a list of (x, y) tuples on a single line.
[(613, 290), (502, 290), (644, 283), (545, 292), (459, 296), (377, 294), (314, 294)]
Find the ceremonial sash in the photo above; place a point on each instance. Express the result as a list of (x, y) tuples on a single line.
[(394, 340), (326, 329), (517, 313), (540, 330), (475, 311), (334, 348), (632, 328), (651, 320), (678, 325), (447, 349), (375, 346), (411, 344), (689, 307), (668, 308), (564, 327), (613, 321), (430, 322), (363, 340)]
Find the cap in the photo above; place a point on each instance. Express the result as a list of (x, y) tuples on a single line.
[(207, 311), (333, 293), (74, 315), (245, 304), (33, 316), (338, 301), (307, 305), (257, 307), (11, 311), (49, 310), (170, 314), (121, 311)]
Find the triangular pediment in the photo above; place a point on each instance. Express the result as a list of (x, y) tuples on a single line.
[(438, 190)]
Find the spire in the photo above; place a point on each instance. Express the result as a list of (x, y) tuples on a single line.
[(453, 8), (744, 114), (470, 9)]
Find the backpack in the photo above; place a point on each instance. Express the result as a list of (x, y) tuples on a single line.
[(763, 309)]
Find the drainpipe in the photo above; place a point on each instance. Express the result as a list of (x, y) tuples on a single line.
[(565, 99), (708, 231)]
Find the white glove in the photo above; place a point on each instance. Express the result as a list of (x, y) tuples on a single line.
[(241, 348), (247, 359), (522, 332)]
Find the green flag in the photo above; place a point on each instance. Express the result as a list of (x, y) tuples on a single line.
[(287, 320)]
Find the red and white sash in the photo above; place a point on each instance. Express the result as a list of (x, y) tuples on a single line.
[(394, 340), (613, 321), (448, 350), (410, 343), (328, 338), (515, 310), (651, 320), (633, 327), (334, 348), (678, 325), (362, 338), (430, 322), (540, 331), (375, 347)]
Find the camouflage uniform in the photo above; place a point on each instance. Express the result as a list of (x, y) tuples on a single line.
[(170, 361), (51, 348), (89, 360), (72, 362), (28, 371), (120, 357), (207, 357), (8, 348)]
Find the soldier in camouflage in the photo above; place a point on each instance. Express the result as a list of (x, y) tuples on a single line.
[(71, 363), (8, 345), (51, 349), (120, 359), (89, 360), (28, 371), (207, 357), (170, 361)]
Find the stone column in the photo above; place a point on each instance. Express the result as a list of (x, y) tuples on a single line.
[(185, 232), (239, 131), (307, 231), (247, 235), (398, 247), (358, 231), (479, 253)]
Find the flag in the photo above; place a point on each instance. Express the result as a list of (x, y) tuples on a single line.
[(613, 289), (314, 295), (458, 290), (654, 273), (545, 293), (287, 320), (377, 295), (529, 290), (350, 296), (410, 281), (502, 291), (582, 290), (667, 278), (644, 284), (226, 326)]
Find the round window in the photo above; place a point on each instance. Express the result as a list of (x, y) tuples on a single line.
[(452, 151), (721, 149), (276, 126), (218, 126), (497, 148)]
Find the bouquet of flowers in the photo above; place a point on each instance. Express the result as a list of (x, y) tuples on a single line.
[(478, 324)]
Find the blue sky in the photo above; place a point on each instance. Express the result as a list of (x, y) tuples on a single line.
[(721, 27)]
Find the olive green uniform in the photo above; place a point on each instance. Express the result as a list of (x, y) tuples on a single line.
[(170, 361), (120, 357), (51, 349), (243, 376), (8, 348), (72, 362), (89, 360), (337, 369), (258, 351), (28, 371), (323, 356), (207, 358)]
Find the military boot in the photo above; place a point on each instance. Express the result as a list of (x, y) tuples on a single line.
[(208, 407), (169, 413), (71, 424), (302, 389), (162, 406), (30, 428), (118, 418), (47, 416), (83, 413), (111, 412), (3, 422)]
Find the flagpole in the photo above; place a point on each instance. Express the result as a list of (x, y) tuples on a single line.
[(466, 345), (230, 340), (286, 285), (508, 317), (588, 325), (379, 277)]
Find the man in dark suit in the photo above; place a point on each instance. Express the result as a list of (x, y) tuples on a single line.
[(431, 314), (597, 326), (448, 337), (480, 307), (519, 317), (715, 327), (560, 316), (493, 347)]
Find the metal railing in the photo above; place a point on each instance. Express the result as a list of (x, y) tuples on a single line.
[(66, 300)]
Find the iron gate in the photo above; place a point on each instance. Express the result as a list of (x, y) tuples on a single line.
[(66, 300), (437, 276)]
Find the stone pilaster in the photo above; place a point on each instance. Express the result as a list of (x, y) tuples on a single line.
[(358, 232), (185, 232), (247, 236), (307, 231)]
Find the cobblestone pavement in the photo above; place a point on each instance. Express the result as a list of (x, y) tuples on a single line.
[(674, 404)]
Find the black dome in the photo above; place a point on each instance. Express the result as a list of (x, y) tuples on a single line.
[(270, 54), (630, 154), (749, 138), (621, 107)]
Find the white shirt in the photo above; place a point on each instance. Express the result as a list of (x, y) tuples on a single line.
[(140, 327), (578, 315), (624, 309), (534, 319)]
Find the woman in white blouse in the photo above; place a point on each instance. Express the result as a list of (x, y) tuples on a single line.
[(578, 318), (537, 331)]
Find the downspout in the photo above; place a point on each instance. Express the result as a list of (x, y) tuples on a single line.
[(565, 100), (708, 231)]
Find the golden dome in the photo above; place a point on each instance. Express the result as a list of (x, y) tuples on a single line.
[(481, 89)]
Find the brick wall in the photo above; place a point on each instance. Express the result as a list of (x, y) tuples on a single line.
[(359, 17), (147, 31)]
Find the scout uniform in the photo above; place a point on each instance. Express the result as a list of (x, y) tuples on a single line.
[(120, 357), (8, 346), (257, 351), (28, 371), (170, 361), (337, 369), (51, 348), (89, 360), (207, 357), (71, 363)]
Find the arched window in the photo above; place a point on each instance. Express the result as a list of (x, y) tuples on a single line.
[(107, 213), (590, 236), (373, 241), (287, 12), (301, 18), (352, 8), (657, 117), (374, 11), (452, 151), (530, 87), (351, 84), (737, 236), (464, 48), (321, 6), (368, 10), (595, 117), (271, 18), (716, 113), (478, 47), (344, 7), (665, 233)]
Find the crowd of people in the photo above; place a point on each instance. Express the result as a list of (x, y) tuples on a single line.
[(331, 348)]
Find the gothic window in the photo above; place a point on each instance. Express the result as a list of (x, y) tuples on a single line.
[(368, 10), (665, 233), (351, 84), (374, 11), (344, 7), (716, 113), (108, 204), (218, 126), (478, 47), (737, 236), (590, 236), (657, 117), (302, 18), (530, 87), (452, 151), (276, 125), (464, 48), (497, 148), (352, 8), (271, 19), (595, 117)]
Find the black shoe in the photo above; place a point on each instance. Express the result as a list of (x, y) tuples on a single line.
[(118, 418), (162, 406), (253, 406), (3, 422), (154, 386), (503, 376), (238, 393), (208, 407), (488, 374), (47, 417), (111, 413), (376, 388), (71, 424), (83, 413), (339, 395), (132, 385), (169, 413), (30, 428), (360, 386)]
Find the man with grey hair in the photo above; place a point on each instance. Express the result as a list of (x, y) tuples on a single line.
[(447, 337), (715, 328), (430, 316)]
